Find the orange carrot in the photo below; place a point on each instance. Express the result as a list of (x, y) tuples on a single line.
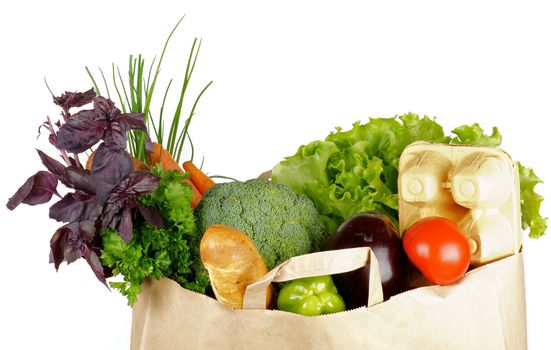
[(161, 155), (197, 196), (199, 178), (139, 165)]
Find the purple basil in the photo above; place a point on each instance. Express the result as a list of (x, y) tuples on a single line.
[(82, 204), (120, 126), (151, 215), (109, 167), (136, 183), (105, 122), (81, 132), (93, 261), (53, 166), (73, 241), (75, 206), (118, 209), (74, 99), (69, 241), (38, 189), (104, 196), (105, 108), (124, 224), (79, 179)]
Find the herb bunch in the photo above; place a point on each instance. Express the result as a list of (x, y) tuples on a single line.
[(106, 195), (156, 252)]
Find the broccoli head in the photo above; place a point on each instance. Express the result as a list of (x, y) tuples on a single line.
[(281, 223)]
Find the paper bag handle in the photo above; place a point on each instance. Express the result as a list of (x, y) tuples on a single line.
[(318, 264)]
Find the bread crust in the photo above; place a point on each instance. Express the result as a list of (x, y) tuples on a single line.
[(232, 262)]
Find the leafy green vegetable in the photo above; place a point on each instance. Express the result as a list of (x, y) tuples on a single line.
[(474, 135), (530, 203), (357, 170), (156, 252)]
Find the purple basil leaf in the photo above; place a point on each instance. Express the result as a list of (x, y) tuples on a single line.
[(117, 212), (114, 136), (118, 216), (70, 241), (130, 121), (67, 243), (57, 245), (74, 99), (116, 132), (134, 184), (21, 193), (79, 179), (112, 213), (134, 121), (95, 264), (105, 108), (125, 224), (87, 230), (137, 183), (53, 166), (110, 166), (67, 209), (148, 144), (53, 139), (151, 215), (75, 206), (80, 132), (74, 246), (38, 189)]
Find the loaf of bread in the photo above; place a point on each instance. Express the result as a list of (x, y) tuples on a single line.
[(232, 262)]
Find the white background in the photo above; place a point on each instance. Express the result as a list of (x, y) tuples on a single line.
[(285, 73)]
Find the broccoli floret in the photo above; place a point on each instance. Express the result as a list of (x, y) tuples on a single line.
[(281, 223)]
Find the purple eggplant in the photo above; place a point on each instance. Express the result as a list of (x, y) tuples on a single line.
[(376, 231)]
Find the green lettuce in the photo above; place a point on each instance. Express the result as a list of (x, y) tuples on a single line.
[(530, 202), (357, 170)]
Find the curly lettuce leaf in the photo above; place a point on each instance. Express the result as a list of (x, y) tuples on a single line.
[(474, 135), (530, 202), (357, 170)]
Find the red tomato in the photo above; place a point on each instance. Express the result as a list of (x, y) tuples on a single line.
[(438, 248)]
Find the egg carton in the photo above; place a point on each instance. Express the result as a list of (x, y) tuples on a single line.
[(476, 187)]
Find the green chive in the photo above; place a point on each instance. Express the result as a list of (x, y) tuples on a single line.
[(93, 81)]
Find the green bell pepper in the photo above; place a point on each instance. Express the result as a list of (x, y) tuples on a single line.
[(310, 296)]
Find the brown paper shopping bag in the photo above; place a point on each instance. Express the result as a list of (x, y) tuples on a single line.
[(484, 310)]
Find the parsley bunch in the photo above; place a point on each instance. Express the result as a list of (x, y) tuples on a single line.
[(156, 252)]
